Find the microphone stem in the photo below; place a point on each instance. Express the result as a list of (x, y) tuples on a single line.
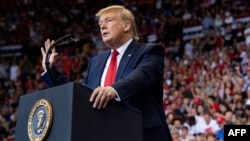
[(48, 53)]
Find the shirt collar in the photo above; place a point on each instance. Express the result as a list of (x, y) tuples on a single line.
[(123, 47)]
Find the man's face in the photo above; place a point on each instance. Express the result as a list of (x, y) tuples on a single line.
[(112, 28), (207, 118)]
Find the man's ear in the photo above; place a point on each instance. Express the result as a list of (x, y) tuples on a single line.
[(127, 26)]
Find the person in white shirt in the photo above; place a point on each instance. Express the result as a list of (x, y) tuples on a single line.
[(184, 134), (15, 71), (229, 19), (247, 35), (207, 124)]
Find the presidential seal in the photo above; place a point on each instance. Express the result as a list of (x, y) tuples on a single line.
[(40, 120)]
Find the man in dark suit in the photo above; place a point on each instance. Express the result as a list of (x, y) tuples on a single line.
[(137, 67)]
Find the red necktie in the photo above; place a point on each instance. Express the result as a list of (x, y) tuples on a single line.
[(111, 73)]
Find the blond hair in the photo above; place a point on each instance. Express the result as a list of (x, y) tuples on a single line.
[(125, 15)]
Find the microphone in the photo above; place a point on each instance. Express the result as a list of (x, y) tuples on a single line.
[(72, 42)]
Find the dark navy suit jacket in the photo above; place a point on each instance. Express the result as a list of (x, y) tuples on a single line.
[(139, 81)]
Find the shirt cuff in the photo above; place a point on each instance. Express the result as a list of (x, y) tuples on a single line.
[(117, 98), (43, 73)]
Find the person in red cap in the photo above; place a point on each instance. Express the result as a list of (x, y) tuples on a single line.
[(197, 101), (220, 134), (221, 120)]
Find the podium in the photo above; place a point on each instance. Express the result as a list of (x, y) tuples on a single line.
[(71, 117)]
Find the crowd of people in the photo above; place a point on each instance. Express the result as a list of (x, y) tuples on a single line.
[(207, 78)]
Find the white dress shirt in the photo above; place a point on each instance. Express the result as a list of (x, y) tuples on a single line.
[(121, 51)]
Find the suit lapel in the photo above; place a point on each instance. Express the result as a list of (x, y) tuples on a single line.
[(100, 64), (125, 59)]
